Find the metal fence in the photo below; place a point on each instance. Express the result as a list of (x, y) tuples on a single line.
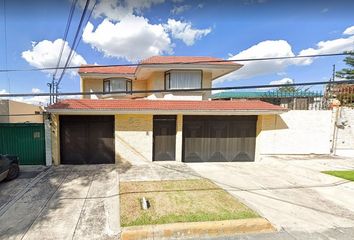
[(296, 98), (299, 100), (344, 93)]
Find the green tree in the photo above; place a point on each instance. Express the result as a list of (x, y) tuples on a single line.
[(291, 89), (347, 73)]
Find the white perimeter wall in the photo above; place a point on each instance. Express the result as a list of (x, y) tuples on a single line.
[(295, 132)]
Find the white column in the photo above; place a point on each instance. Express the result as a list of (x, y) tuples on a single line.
[(179, 140), (48, 142)]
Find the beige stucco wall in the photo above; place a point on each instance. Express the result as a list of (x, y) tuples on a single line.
[(156, 81), (55, 139), (133, 138), (24, 108), (294, 132), (8, 107), (343, 134), (4, 110), (96, 85)]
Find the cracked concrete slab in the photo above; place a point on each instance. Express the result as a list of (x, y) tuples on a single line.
[(291, 196), (156, 171), (69, 202)]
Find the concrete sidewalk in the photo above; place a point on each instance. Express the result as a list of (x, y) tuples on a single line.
[(292, 194), (67, 202), (330, 234)]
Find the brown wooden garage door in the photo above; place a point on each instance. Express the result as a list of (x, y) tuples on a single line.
[(86, 139), (219, 138)]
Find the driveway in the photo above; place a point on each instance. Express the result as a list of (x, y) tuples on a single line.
[(291, 193), (66, 202)]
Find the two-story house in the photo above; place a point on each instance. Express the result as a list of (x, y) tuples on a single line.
[(145, 115)]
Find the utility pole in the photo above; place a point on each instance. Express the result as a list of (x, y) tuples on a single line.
[(50, 91), (334, 73), (56, 91)]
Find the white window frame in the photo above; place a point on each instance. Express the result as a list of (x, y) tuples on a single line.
[(168, 79), (128, 85)]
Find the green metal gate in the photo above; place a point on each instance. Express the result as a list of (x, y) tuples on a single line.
[(25, 140)]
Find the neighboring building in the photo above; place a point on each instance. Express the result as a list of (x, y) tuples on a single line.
[(342, 92), (299, 100), (19, 112), (177, 126)]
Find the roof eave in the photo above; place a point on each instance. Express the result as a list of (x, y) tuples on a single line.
[(231, 67), (106, 75), (165, 112)]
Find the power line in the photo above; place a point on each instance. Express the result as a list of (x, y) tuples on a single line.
[(177, 90), (74, 42), (75, 48), (5, 45), (66, 31), (68, 23), (21, 114), (88, 19), (184, 63)]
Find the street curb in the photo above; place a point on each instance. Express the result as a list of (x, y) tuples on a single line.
[(197, 229)]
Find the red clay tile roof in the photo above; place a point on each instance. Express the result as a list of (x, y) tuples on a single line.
[(154, 60), (108, 70), (185, 59), (93, 104)]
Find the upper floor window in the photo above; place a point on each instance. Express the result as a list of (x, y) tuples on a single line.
[(183, 79), (117, 84)]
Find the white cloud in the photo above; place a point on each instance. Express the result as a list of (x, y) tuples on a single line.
[(36, 90), (45, 54), (117, 10), (185, 32), (331, 46), (281, 73), (270, 48), (36, 100), (132, 38), (349, 31), (281, 48), (282, 81), (324, 10), (180, 9), (124, 34), (250, 2), (3, 91), (277, 82)]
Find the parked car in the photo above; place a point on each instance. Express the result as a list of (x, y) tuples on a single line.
[(9, 168)]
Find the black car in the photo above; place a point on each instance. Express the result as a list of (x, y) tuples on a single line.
[(9, 168)]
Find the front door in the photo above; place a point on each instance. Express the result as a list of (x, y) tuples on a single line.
[(164, 132)]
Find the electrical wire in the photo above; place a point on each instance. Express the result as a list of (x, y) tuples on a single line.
[(74, 42), (68, 24), (182, 63), (88, 19), (5, 45), (177, 90)]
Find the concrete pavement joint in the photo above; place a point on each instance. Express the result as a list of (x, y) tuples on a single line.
[(83, 205), (34, 181), (44, 206)]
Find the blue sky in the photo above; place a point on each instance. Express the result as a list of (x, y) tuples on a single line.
[(134, 29)]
